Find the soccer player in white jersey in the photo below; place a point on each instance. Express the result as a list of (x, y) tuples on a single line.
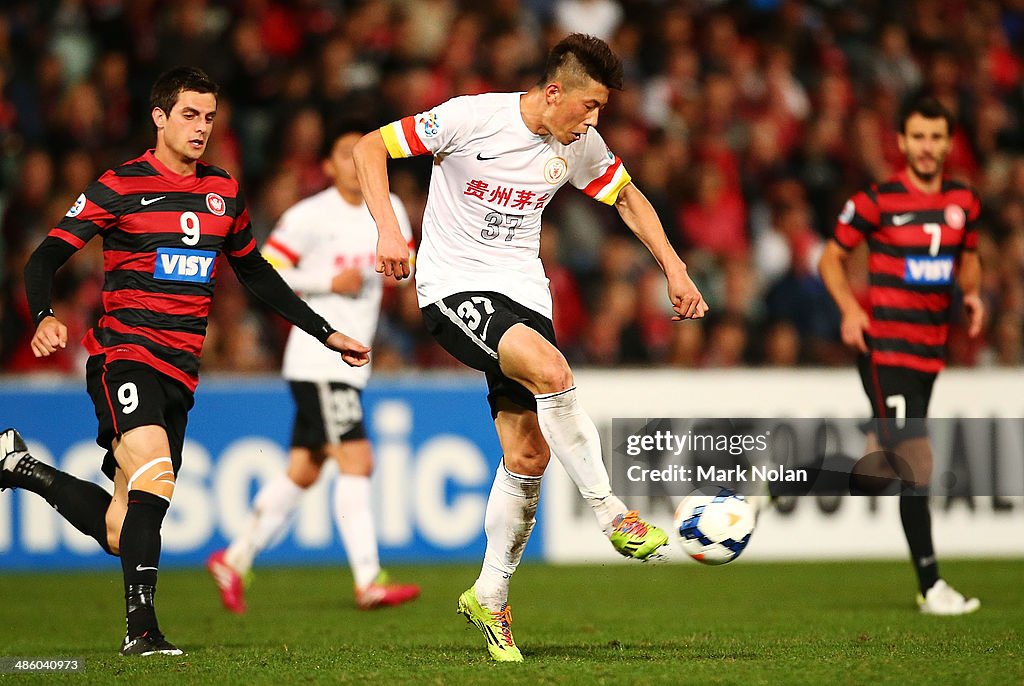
[(324, 248), (498, 160)]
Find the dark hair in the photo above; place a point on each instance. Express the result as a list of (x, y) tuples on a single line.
[(342, 127), (589, 54), (173, 82), (929, 108)]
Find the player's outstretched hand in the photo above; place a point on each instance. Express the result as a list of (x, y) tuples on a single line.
[(393, 255), (975, 308), (352, 351), (855, 323), (686, 300), (50, 335)]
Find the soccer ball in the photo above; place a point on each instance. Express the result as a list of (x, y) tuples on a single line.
[(714, 527)]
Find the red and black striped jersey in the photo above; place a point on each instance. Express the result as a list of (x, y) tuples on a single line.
[(914, 240), (162, 233)]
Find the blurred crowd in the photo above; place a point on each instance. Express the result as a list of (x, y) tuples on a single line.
[(747, 125)]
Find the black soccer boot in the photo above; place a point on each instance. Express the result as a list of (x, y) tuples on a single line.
[(150, 643), (18, 469)]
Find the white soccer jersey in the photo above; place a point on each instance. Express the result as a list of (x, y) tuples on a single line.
[(491, 180), (313, 241)]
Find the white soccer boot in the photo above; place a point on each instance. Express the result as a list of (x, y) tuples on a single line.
[(943, 599)]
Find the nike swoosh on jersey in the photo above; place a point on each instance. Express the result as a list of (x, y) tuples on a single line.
[(149, 201), (484, 159), (901, 219), (140, 568)]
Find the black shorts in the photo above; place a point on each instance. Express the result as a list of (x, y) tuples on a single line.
[(127, 395), (326, 412), (469, 326), (899, 400)]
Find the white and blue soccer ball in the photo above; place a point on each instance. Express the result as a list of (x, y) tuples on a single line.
[(714, 527)]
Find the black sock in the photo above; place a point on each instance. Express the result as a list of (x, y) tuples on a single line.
[(831, 477), (917, 525), (82, 503), (836, 475), (819, 482), (140, 557)]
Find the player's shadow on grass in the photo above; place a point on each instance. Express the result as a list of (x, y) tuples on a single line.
[(640, 651)]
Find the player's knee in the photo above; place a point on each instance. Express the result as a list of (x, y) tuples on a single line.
[(528, 460), (354, 458), (553, 375), (156, 477), (305, 478), (304, 475)]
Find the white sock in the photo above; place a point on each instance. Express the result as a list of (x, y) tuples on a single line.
[(272, 508), (354, 517), (510, 516), (574, 440)]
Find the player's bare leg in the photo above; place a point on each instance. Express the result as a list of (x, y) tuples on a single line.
[(143, 454), (527, 357), (116, 511), (909, 463), (353, 514)]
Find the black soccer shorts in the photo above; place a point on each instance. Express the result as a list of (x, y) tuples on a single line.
[(127, 395), (899, 399), (469, 326), (326, 413)]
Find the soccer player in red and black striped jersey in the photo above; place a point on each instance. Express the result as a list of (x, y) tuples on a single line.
[(164, 218), (922, 243)]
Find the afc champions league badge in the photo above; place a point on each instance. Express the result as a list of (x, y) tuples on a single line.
[(430, 124), (77, 208), (849, 210), (955, 217), (555, 170), (215, 204)]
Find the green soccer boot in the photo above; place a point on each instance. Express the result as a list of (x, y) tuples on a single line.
[(496, 627)]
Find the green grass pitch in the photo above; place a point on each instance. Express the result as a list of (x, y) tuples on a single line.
[(811, 623)]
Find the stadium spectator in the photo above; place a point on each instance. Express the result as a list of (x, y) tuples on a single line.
[(699, 74)]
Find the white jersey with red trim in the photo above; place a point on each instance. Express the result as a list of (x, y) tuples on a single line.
[(313, 241), (491, 180)]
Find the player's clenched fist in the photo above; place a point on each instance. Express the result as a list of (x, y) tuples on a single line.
[(393, 256), (50, 335), (687, 301)]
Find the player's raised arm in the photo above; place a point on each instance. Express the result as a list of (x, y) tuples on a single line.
[(639, 215), (371, 159)]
